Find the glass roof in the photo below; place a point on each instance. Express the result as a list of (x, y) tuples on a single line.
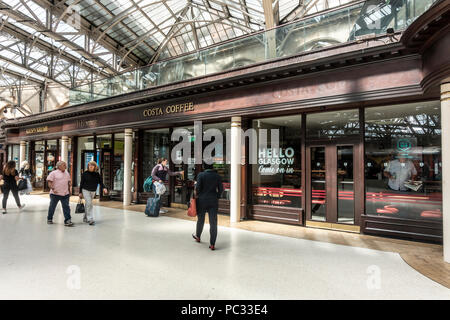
[(155, 30), (111, 35)]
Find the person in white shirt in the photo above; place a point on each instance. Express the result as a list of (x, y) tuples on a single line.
[(399, 171)]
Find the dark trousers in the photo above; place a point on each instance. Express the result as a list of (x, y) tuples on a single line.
[(212, 214), (6, 195), (54, 199)]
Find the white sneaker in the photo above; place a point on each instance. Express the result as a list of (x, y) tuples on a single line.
[(163, 211), (22, 206)]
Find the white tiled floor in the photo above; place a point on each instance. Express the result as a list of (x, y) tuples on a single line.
[(130, 256)]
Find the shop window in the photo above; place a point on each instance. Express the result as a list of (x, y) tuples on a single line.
[(85, 153), (39, 147), (403, 161), (219, 162), (14, 154), (118, 162), (184, 185), (104, 159), (156, 144), (104, 141), (276, 178), (51, 154)]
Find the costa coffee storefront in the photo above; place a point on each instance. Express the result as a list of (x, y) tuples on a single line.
[(359, 146)]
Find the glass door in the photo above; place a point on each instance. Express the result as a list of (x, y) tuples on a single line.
[(330, 183), (345, 185), (318, 183)]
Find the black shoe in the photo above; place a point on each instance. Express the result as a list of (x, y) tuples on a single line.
[(92, 223), (196, 238), (4, 211), (68, 224), (49, 222)]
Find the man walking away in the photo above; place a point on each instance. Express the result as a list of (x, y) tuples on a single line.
[(60, 190), (209, 188)]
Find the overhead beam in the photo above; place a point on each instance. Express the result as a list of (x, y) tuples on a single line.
[(271, 13), (18, 75)]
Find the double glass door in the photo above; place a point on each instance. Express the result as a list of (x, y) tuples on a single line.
[(332, 182)]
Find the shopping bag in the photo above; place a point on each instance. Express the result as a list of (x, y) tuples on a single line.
[(29, 187), (22, 185), (153, 206), (160, 188), (80, 207), (192, 210)]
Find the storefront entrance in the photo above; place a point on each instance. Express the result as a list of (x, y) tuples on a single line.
[(332, 183)]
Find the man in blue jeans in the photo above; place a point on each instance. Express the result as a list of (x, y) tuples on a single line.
[(209, 188), (60, 189)]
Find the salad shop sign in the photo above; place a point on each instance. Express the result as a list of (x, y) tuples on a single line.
[(276, 160), (175, 108)]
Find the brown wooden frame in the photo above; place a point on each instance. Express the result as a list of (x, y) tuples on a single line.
[(331, 177)]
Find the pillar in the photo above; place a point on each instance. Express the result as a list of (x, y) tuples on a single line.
[(128, 158), (65, 149), (235, 188), (445, 123), (22, 152)]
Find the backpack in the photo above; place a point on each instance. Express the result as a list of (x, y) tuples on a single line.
[(148, 184)]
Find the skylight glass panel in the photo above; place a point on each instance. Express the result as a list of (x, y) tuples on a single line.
[(216, 6), (158, 13), (167, 23), (286, 7), (8, 54)]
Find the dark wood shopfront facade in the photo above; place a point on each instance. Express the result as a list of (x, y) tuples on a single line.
[(359, 76)]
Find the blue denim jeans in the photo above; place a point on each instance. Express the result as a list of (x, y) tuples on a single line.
[(54, 199)]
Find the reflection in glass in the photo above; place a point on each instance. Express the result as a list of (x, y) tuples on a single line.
[(403, 161), (332, 125), (318, 184), (346, 196)]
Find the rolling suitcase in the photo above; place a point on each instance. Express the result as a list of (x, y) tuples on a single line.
[(153, 206)]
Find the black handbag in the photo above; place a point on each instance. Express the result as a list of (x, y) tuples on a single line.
[(22, 185), (80, 207)]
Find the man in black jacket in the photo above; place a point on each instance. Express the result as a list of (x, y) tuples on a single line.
[(209, 188)]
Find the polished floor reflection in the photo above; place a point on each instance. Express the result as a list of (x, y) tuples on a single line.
[(129, 256)]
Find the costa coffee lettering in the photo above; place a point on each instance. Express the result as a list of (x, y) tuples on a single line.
[(37, 130), (153, 112), (176, 108)]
